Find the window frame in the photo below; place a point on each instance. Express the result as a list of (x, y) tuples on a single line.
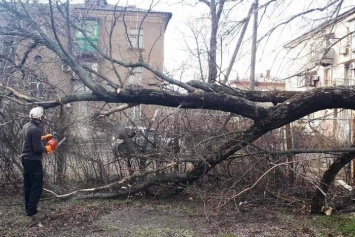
[(135, 76), (87, 44), (37, 88), (136, 38), (135, 114)]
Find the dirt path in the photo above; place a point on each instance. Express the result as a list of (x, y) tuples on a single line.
[(180, 219), (144, 218), (167, 221)]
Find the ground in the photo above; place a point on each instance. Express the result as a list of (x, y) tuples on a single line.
[(141, 217)]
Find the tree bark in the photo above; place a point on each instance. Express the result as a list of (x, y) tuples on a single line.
[(318, 200), (216, 8), (59, 156), (289, 146)]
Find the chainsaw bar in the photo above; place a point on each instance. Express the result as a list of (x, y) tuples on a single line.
[(61, 141)]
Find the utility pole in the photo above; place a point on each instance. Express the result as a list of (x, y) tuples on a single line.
[(253, 46)]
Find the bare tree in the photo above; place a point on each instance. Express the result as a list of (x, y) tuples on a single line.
[(216, 8)]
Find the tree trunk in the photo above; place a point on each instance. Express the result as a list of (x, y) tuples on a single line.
[(318, 200), (213, 45), (289, 146), (60, 153)]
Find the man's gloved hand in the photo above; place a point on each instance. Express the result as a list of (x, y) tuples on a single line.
[(52, 146), (47, 137)]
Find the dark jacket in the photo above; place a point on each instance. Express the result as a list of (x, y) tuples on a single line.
[(32, 147)]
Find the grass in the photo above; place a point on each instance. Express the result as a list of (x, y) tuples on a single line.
[(341, 224), (83, 215), (57, 215), (321, 226)]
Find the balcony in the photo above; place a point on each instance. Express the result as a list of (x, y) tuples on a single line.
[(308, 79), (326, 57), (322, 56)]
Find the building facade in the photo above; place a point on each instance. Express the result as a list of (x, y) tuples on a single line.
[(324, 57), (103, 39)]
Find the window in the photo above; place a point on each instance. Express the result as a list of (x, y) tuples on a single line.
[(310, 116), (6, 48), (345, 114), (95, 3), (37, 88), (135, 76), (307, 79), (352, 71), (330, 40), (87, 39), (352, 34), (300, 81), (81, 109), (38, 59), (327, 77), (134, 114), (136, 38), (350, 74), (314, 52)]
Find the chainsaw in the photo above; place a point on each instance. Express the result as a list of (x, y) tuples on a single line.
[(57, 138)]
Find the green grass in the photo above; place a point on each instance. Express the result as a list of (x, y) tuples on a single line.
[(342, 224), (321, 226)]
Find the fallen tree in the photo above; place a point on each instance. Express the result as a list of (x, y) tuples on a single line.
[(268, 110)]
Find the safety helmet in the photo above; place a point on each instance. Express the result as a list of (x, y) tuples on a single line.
[(36, 113)]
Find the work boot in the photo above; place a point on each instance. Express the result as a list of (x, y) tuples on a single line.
[(36, 220), (31, 213), (39, 216)]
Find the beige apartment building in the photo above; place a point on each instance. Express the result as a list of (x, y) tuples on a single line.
[(127, 34), (104, 39), (261, 84), (97, 35), (323, 57)]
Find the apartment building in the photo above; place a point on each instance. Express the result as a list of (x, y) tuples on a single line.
[(101, 38), (325, 56), (95, 33), (127, 34)]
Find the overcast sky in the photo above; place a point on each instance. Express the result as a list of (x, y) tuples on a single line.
[(175, 36), (174, 43)]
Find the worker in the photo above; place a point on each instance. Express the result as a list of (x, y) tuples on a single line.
[(33, 146)]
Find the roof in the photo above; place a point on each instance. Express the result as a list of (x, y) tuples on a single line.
[(321, 27), (101, 5), (110, 7)]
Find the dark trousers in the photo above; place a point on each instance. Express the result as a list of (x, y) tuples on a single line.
[(33, 184)]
